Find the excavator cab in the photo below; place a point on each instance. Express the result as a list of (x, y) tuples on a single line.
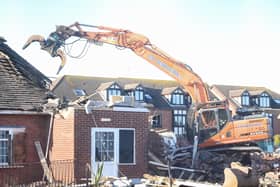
[(211, 121), (207, 119)]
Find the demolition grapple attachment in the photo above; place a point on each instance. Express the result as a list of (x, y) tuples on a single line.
[(52, 45)]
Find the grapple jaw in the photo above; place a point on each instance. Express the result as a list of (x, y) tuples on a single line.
[(34, 38), (51, 45)]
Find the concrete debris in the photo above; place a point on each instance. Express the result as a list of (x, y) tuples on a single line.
[(152, 181), (271, 179), (227, 168)]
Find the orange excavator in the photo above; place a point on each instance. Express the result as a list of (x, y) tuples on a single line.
[(223, 131), (210, 125)]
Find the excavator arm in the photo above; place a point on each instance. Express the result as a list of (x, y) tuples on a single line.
[(223, 130), (139, 44), (209, 122)]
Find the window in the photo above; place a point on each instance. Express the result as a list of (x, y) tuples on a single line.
[(223, 117), (178, 97), (254, 100), (264, 100), (113, 91), (245, 99), (138, 94), (126, 147), (12, 145), (104, 147), (208, 124), (79, 92), (208, 119), (5, 140), (156, 121), (179, 122)]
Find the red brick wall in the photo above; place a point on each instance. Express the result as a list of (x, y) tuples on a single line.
[(61, 152), (136, 120), (166, 118), (62, 139), (36, 129)]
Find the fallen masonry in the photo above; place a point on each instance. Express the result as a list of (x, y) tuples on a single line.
[(226, 168)]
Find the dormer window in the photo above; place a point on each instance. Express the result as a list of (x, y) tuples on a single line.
[(264, 100), (245, 99), (254, 100), (138, 93), (177, 97), (113, 90)]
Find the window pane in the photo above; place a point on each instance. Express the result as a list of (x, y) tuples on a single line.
[(264, 100), (126, 149), (156, 121), (208, 119), (104, 146), (4, 146), (179, 122), (245, 99), (139, 95), (178, 98)]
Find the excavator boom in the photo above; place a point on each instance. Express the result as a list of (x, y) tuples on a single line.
[(222, 131), (139, 44)]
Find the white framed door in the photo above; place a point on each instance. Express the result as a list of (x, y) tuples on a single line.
[(104, 148)]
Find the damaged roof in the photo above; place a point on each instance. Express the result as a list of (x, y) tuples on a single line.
[(23, 86)]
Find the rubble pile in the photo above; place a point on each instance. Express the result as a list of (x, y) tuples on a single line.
[(216, 167), (267, 167), (161, 143)]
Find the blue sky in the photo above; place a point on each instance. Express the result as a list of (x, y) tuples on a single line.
[(226, 42)]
